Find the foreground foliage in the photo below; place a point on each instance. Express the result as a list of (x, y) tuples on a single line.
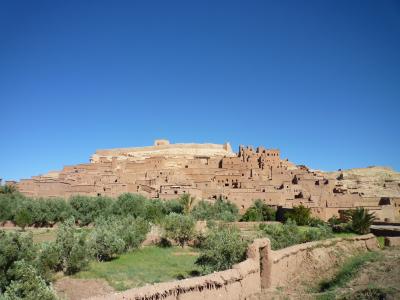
[(27, 284), (21, 274)]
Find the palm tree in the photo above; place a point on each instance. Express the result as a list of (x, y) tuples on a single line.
[(361, 220), (187, 202), (8, 189)]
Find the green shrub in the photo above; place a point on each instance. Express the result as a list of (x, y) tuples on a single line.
[(315, 222), (219, 210), (27, 284), (173, 206), (334, 221), (180, 228), (285, 235), (259, 211), (49, 260), (300, 214), (222, 248), (282, 235), (133, 231), (74, 250), (104, 240), (14, 246)]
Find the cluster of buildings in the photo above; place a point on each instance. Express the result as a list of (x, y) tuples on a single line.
[(208, 172)]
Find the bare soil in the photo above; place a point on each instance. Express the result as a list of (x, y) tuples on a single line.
[(76, 289)]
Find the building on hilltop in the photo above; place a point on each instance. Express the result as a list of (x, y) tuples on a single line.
[(206, 171)]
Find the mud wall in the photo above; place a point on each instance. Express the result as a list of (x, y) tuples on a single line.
[(304, 262), (238, 283), (263, 268)]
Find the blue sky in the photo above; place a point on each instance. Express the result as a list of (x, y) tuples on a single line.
[(318, 79)]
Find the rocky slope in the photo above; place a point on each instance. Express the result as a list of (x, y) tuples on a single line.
[(370, 182)]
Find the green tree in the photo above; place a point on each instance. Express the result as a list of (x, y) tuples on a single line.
[(222, 248), (300, 214), (23, 218), (187, 202), (8, 189), (74, 250), (361, 220), (130, 204), (87, 209), (180, 228), (154, 210), (105, 241), (133, 231), (259, 211), (219, 210)]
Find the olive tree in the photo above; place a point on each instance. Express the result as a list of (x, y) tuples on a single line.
[(179, 228), (222, 248)]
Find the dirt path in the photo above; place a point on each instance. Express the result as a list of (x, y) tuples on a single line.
[(77, 289)]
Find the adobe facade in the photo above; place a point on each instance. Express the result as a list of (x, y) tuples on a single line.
[(209, 172)]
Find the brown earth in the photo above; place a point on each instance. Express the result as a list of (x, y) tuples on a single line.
[(76, 289)]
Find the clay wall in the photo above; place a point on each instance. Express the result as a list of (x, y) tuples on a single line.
[(238, 283), (263, 268), (303, 262)]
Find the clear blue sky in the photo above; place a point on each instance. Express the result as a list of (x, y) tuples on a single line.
[(318, 79)]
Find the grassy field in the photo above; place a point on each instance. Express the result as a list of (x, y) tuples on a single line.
[(147, 265)]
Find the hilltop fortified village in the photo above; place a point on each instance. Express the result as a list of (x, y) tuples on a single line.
[(212, 171)]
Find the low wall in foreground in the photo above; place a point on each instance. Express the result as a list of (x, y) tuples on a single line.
[(304, 262), (238, 283), (263, 268)]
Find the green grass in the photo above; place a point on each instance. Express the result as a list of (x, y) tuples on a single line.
[(144, 266), (348, 271), (381, 241)]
